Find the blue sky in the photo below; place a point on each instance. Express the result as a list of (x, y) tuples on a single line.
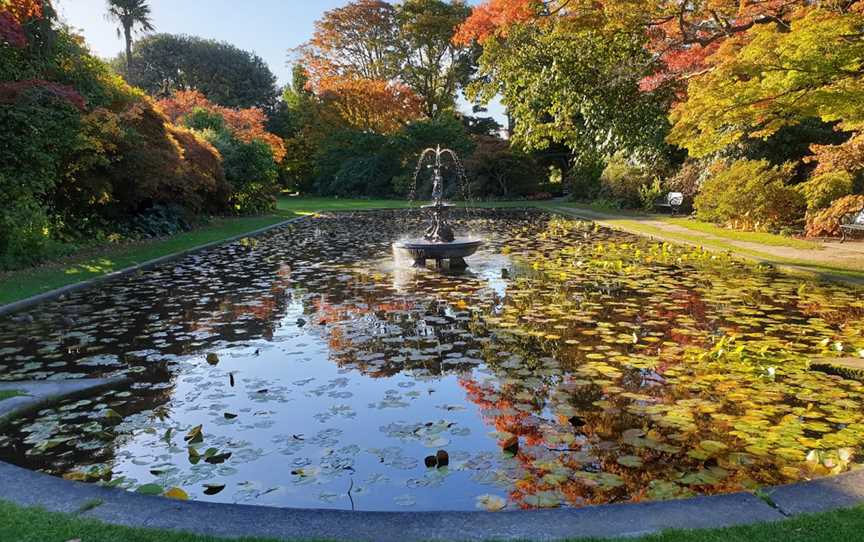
[(267, 27)]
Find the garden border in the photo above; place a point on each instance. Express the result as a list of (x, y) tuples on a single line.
[(29, 488)]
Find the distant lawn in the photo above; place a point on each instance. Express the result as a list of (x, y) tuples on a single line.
[(305, 206), (9, 394), (35, 525), (25, 283), (751, 237)]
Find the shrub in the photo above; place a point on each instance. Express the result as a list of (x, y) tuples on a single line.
[(827, 221), (30, 164), (750, 194), (820, 191), (496, 169), (621, 181), (250, 170), (687, 179), (157, 221), (351, 163), (648, 194), (584, 177)]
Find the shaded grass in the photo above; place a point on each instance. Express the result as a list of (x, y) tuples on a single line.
[(24, 283), (9, 394), (36, 525)]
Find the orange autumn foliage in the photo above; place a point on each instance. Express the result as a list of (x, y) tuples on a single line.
[(379, 106), (246, 124), (491, 18), (683, 33), (22, 10), (353, 40)]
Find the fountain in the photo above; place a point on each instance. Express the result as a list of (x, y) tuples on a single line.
[(439, 243)]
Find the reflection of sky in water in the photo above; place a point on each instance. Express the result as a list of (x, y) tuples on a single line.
[(339, 371), (313, 413)]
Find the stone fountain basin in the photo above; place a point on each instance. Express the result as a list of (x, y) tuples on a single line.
[(420, 249)]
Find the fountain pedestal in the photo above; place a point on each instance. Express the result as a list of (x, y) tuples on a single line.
[(439, 243)]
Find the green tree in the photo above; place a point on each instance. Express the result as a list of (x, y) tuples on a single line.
[(432, 64), (568, 83), (130, 14), (227, 75)]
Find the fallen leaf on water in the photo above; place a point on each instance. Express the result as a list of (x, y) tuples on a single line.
[(176, 493), (491, 503), (195, 435), (213, 489)]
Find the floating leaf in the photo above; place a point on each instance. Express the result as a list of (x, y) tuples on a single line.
[(195, 435), (630, 461), (176, 493), (491, 503), (150, 489), (213, 489)]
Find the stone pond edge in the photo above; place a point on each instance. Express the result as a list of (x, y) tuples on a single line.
[(119, 507)]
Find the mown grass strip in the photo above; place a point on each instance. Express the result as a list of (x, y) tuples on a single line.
[(36, 525), (17, 285)]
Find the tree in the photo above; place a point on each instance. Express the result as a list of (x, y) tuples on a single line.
[(246, 125), (130, 14), (411, 44), (227, 75), (432, 63), (565, 82), (370, 105), (774, 76), (683, 33), (357, 40)]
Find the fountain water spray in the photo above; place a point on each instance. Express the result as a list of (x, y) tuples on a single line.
[(439, 242)]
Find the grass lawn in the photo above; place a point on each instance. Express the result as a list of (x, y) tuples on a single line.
[(24, 283), (9, 394), (826, 269), (702, 227), (747, 236), (34, 525)]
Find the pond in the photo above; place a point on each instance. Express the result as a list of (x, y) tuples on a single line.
[(571, 365)]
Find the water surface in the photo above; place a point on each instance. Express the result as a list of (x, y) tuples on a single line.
[(571, 365)]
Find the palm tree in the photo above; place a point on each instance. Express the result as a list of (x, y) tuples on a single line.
[(130, 14)]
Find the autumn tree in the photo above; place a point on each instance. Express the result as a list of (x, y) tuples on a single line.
[(682, 34), (409, 45), (432, 63), (372, 105), (227, 75), (774, 76), (357, 40), (247, 125), (132, 16)]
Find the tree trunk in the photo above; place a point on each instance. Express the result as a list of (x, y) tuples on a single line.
[(127, 30)]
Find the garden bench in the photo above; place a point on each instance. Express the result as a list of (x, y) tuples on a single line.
[(672, 200), (851, 224)]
